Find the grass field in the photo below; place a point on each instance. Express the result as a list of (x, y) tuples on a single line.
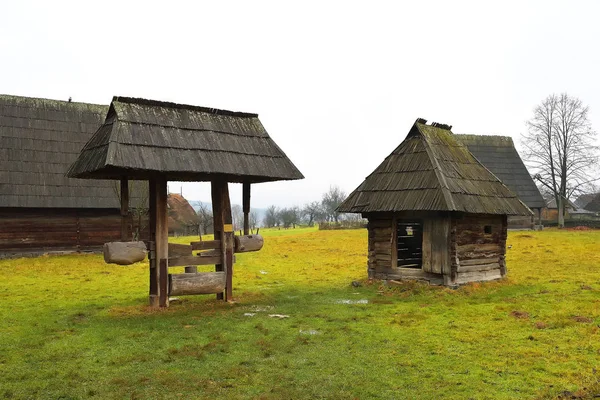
[(76, 328)]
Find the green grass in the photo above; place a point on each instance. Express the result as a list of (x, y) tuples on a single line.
[(76, 328)]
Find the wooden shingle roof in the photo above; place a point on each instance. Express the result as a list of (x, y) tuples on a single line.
[(144, 137), (499, 155), (432, 171), (39, 139)]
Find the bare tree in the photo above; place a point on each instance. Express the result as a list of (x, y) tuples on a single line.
[(138, 205), (205, 217), (290, 216), (330, 201), (237, 214), (253, 219), (271, 217), (559, 147), (312, 212)]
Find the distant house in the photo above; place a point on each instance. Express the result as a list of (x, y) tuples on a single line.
[(183, 220), (499, 155), (550, 212), (435, 212), (41, 209)]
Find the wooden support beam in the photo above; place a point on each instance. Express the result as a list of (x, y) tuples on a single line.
[(223, 229), (206, 245), (124, 209), (162, 240), (196, 283), (194, 260), (153, 292), (246, 206)]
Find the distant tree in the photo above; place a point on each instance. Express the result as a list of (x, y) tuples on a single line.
[(205, 217), (290, 217), (312, 212), (237, 214), (138, 204), (271, 217), (253, 219), (330, 201), (560, 148)]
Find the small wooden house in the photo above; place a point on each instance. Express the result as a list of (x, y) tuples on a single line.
[(435, 213), (42, 210), (499, 155)]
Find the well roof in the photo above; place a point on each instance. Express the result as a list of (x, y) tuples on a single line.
[(432, 171), (39, 139), (499, 155), (141, 138)]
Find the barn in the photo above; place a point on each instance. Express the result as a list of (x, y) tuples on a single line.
[(499, 155), (42, 210), (434, 212)]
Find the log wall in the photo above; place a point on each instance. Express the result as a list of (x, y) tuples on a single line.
[(32, 231), (479, 254)]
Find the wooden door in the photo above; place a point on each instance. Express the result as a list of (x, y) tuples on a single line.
[(409, 241)]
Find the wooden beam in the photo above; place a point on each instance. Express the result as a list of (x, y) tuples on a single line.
[(206, 245), (194, 260), (124, 209), (162, 240), (246, 206), (153, 292), (223, 228)]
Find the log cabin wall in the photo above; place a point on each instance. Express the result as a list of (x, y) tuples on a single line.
[(480, 243), (33, 231), (380, 247)]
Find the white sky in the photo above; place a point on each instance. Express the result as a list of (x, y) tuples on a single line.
[(336, 84)]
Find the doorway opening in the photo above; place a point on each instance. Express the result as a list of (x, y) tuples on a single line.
[(409, 242)]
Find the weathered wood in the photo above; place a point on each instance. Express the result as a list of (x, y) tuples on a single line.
[(194, 260), (196, 283), (223, 231), (469, 248), (124, 209), (478, 276), (153, 291), (426, 246), (206, 245), (246, 206), (473, 268), (176, 250), (191, 269), (479, 261), (247, 243), (124, 253), (162, 240)]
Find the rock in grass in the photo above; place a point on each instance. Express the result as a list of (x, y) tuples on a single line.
[(356, 284)]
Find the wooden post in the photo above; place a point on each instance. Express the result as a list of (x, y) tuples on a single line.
[(124, 209), (162, 240), (246, 206), (153, 295), (503, 237), (223, 229)]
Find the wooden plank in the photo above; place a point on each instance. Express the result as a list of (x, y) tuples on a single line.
[(194, 260), (474, 268), (153, 290), (196, 283), (206, 245), (179, 250), (426, 246), (246, 206), (479, 261), (162, 240), (124, 209), (479, 276)]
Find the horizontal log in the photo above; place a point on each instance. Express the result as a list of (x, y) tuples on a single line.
[(124, 253), (176, 250), (479, 261), (206, 245), (246, 243), (466, 248), (478, 276), (473, 268), (196, 283), (193, 260)]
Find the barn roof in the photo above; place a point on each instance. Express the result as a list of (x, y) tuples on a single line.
[(499, 155), (39, 139), (432, 171), (589, 202), (144, 137)]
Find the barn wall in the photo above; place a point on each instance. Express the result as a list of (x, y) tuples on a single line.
[(380, 246), (30, 231), (479, 255)]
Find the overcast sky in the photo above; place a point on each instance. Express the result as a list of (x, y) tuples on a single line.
[(336, 84)]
